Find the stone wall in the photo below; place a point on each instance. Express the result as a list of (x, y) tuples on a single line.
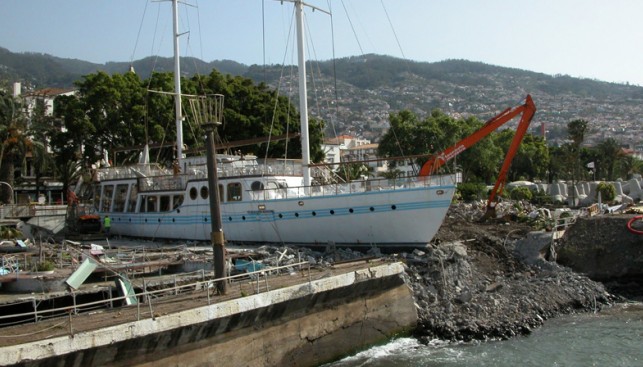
[(602, 248), (303, 325)]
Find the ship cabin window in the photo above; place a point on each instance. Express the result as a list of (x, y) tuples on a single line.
[(131, 204), (148, 204), (97, 198), (273, 190), (234, 191), (204, 192), (193, 193), (220, 193), (178, 200), (106, 202), (120, 198), (165, 203)]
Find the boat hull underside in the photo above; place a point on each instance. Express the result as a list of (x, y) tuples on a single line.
[(404, 218)]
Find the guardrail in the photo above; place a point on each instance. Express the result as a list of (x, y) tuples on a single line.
[(146, 297), (14, 211)]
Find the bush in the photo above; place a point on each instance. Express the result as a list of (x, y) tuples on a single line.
[(521, 193), (45, 266), (471, 191), (608, 192)]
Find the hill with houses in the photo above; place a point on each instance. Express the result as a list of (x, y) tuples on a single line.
[(369, 87)]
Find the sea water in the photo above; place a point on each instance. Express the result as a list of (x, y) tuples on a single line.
[(613, 337)]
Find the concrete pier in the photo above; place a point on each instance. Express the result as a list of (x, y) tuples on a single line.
[(307, 324)]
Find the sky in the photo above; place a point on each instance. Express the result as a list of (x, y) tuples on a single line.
[(597, 39)]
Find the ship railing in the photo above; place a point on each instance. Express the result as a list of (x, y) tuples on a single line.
[(262, 281), (138, 170), (354, 187), (31, 210)]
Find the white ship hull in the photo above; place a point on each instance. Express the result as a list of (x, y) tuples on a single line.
[(356, 214)]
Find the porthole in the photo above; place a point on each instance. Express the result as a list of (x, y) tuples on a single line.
[(393, 207), (350, 210), (230, 219), (314, 214), (205, 219), (145, 220), (193, 193), (173, 220), (332, 212), (281, 215), (204, 192), (297, 215), (244, 217), (371, 209), (159, 220)]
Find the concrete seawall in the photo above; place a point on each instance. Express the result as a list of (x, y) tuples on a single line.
[(302, 325)]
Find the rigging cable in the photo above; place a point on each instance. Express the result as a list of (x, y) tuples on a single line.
[(332, 34), (274, 112), (393, 29), (138, 35), (353, 29)]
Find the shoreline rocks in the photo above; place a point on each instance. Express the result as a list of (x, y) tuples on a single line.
[(482, 289)]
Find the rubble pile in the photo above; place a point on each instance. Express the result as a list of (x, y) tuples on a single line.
[(470, 285)]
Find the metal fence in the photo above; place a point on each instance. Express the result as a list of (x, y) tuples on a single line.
[(261, 280)]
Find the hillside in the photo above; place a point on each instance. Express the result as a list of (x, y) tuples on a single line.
[(369, 87)]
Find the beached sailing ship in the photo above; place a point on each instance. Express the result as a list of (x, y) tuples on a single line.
[(269, 201)]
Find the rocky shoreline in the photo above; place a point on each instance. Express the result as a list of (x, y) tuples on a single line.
[(474, 281), (472, 285), (460, 296)]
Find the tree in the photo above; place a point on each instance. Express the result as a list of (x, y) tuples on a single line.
[(628, 165), (532, 158), (40, 130), (576, 130), (610, 153), (15, 142)]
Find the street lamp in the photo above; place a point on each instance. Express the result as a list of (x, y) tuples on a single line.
[(211, 119)]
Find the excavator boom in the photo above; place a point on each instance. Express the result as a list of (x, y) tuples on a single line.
[(528, 109), (434, 163)]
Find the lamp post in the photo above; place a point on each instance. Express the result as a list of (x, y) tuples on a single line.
[(216, 235)]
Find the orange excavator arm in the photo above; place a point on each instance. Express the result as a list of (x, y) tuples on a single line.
[(528, 109), (525, 120)]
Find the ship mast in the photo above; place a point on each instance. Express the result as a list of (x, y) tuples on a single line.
[(303, 94), (177, 82)]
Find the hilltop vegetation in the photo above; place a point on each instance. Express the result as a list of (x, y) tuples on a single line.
[(369, 87)]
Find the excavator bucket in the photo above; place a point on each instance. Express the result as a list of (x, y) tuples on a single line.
[(489, 214)]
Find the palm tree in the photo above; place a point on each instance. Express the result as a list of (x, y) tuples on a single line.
[(15, 142), (610, 152)]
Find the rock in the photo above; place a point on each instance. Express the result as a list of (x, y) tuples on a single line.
[(493, 287), (464, 297)]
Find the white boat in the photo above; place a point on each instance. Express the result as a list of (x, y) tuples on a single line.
[(271, 201)]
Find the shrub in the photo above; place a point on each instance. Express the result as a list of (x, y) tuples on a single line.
[(45, 266), (471, 191), (608, 192), (521, 193)]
